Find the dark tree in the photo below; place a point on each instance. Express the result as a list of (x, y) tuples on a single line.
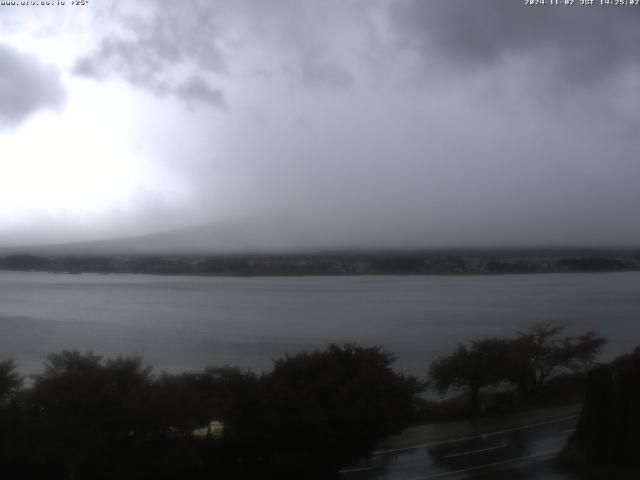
[(10, 381), (607, 433), (474, 366), (540, 352), (398, 264), (90, 413), (187, 401), (592, 264), (324, 406), (24, 262)]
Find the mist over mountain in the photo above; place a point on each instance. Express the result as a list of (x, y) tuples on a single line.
[(259, 235), (306, 125), (283, 236)]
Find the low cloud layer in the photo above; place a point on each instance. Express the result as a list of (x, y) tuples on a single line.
[(578, 43), (372, 123), (153, 45), (27, 86)]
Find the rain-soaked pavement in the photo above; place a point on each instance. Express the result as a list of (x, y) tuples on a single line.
[(517, 446)]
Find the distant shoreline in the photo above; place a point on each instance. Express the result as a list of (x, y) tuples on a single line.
[(339, 264)]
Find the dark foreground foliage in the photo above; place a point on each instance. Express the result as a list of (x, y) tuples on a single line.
[(526, 362), (86, 417), (607, 434)]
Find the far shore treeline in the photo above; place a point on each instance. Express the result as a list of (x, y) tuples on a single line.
[(89, 417), (339, 263)]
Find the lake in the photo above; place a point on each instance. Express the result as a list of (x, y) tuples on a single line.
[(178, 323)]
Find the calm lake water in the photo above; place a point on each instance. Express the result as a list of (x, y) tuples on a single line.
[(178, 323)]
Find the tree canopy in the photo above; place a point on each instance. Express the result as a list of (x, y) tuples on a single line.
[(540, 352), (474, 366), (10, 381), (87, 417), (527, 361)]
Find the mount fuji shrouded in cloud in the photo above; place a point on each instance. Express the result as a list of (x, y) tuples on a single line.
[(319, 125), (213, 238), (267, 234)]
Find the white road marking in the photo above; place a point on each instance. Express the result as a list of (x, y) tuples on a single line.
[(569, 430), (487, 465), (473, 437), (470, 452), (355, 469)]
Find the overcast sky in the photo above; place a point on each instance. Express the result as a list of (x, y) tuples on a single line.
[(360, 122)]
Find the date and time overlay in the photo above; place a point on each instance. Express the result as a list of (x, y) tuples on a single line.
[(550, 3), (47, 3), (583, 3)]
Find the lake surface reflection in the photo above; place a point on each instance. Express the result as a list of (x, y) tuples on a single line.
[(179, 323)]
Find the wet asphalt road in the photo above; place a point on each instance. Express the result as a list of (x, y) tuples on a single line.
[(515, 447)]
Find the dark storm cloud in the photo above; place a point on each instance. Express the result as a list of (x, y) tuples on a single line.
[(322, 74), (313, 39), (196, 89), (155, 41), (358, 159), (382, 123), (26, 86), (580, 43)]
